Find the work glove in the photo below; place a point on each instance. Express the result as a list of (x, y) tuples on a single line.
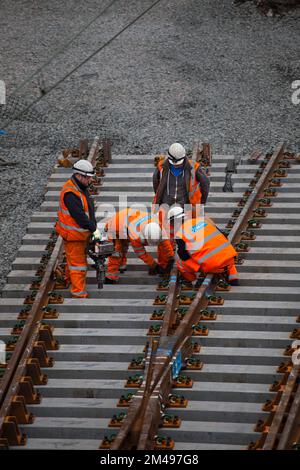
[(96, 235)]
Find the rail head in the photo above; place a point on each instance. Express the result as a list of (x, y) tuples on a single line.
[(169, 315), (257, 192), (284, 431), (17, 364), (138, 413)]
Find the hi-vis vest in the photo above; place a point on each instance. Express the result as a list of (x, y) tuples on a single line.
[(137, 223), (117, 225), (66, 225), (127, 225), (208, 247), (195, 194)]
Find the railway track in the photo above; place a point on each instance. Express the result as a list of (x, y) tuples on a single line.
[(99, 336)]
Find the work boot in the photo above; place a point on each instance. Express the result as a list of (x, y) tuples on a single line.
[(83, 296), (110, 281)]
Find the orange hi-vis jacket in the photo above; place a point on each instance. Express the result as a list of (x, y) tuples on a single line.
[(117, 225), (66, 225), (194, 189), (128, 224), (208, 248)]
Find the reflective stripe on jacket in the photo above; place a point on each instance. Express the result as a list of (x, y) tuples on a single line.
[(128, 223), (208, 248), (117, 225)]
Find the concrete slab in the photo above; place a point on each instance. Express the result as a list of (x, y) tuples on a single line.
[(60, 444)]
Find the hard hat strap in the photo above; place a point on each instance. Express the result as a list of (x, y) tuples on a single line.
[(171, 156)]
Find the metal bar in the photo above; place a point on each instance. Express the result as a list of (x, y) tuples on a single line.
[(149, 374), (17, 364), (257, 192), (83, 148), (274, 440), (195, 151), (158, 398), (151, 418), (106, 145), (131, 426), (291, 430), (174, 288), (93, 151), (135, 424), (184, 329)]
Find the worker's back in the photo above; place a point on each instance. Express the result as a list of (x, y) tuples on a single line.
[(117, 225), (205, 244)]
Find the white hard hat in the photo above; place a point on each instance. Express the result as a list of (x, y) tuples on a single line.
[(83, 167), (176, 212), (176, 154), (152, 233)]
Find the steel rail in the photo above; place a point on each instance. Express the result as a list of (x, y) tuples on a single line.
[(138, 412), (290, 435), (169, 346), (284, 430), (169, 315), (18, 365)]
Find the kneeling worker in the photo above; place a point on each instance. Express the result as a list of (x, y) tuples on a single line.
[(76, 223), (130, 226), (202, 248)]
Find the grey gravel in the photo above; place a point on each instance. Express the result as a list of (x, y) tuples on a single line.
[(189, 69)]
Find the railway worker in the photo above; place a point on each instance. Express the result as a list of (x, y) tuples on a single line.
[(178, 180), (137, 228), (76, 223), (202, 247)]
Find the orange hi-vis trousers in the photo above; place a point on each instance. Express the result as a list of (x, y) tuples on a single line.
[(209, 250), (189, 272), (118, 260), (232, 273), (165, 252), (76, 268)]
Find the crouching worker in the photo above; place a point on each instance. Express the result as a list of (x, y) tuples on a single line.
[(202, 248), (134, 227), (115, 232), (76, 223)]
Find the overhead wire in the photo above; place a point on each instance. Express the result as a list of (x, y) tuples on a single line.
[(87, 59), (64, 47)]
